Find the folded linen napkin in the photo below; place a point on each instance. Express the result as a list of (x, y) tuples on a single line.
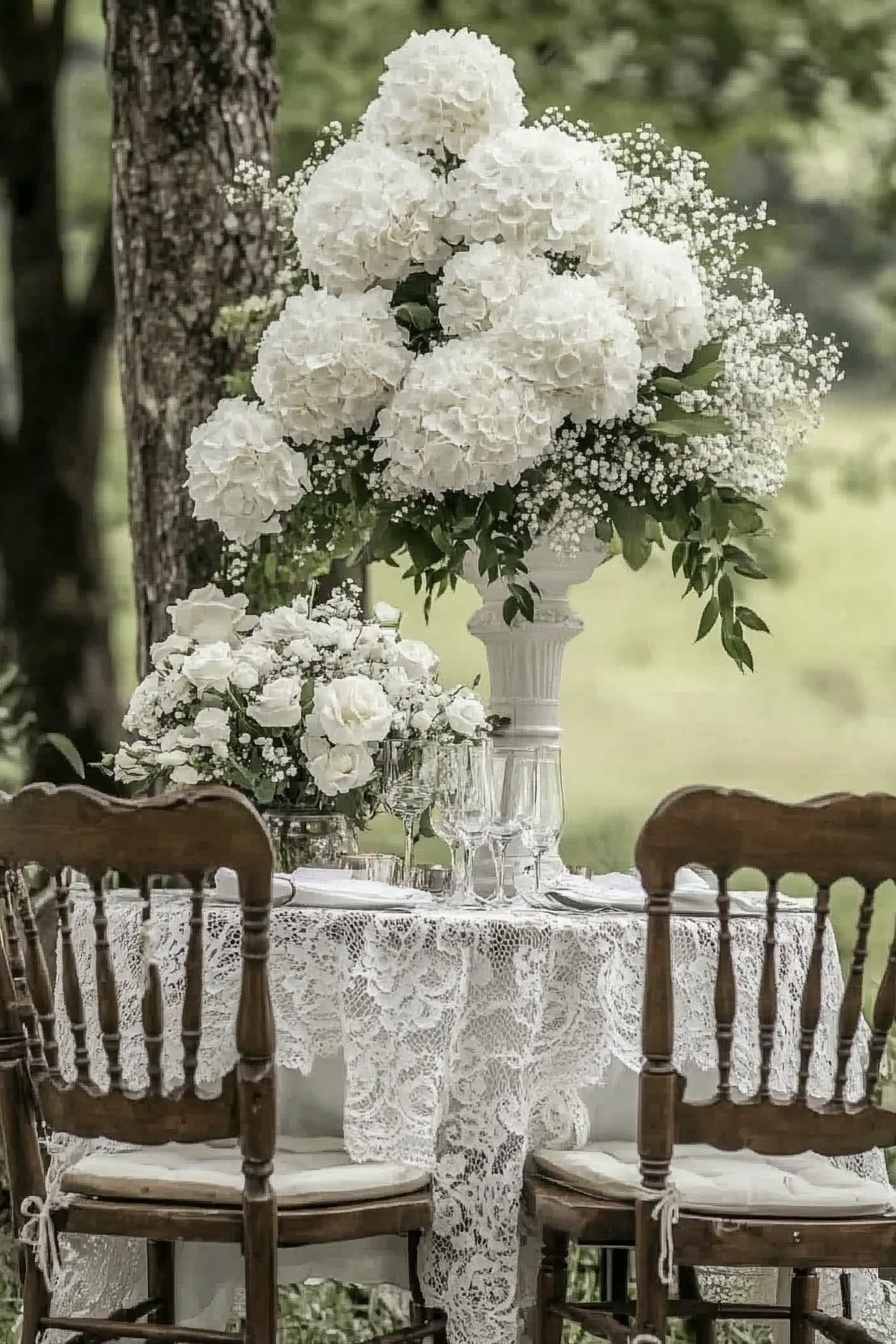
[(332, 888), (693, 895)]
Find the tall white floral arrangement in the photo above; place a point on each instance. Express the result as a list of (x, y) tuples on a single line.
[(490, 330)]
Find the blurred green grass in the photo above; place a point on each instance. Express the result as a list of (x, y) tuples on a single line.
[(646, 710)]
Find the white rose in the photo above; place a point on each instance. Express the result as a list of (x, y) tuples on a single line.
[(279, 703), (251, 664), (466, 715), (169, 760), (353, 710), (209, 668), (386, 614), (417, 659), (184, 774), (282, 625), (170, 652), (128, 767), (208, 616), (301, 649), (212, 729), (342, 768), (396, 682), (421, 721)]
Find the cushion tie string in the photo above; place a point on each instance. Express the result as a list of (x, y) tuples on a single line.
[(666, 1211), (38, 1231)]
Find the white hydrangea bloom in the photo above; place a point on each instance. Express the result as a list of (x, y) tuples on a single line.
[(478, 282), (143, 715), (443, 91), (328, 363), (368, 214), (538, 188), (463, 421), (658, 285), (570, 337), (241, 474)]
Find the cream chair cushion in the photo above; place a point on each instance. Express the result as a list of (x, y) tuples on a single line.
[(307, 1172), (709, 1181)]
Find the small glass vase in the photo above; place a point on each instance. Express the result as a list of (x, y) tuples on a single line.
[(309, 839)]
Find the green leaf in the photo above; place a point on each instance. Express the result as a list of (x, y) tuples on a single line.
[(678, 557), (631, 524), (747, 616), (509, 610), (737, 649), (704, 376), (708, 619), (418, 316), (726, 594), (750, 570), (707, 354), (67, 750), (441, 540), (503, 499), (669, 385), (264, 790), (270, 567)]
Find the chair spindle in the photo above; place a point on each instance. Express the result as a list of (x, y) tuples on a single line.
[(768, 992), (810, 1006), (21, 994), (38, 977), (152, 1007), (881, 1023), (71, 985), (191, 1028), (851, 1006), (725, 992), (107, 994)]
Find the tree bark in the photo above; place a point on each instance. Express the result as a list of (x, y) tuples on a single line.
[(56, 599), (194, 91)]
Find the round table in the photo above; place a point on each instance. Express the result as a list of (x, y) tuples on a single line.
[(455, 1040)]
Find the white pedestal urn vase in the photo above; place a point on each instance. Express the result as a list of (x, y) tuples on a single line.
[(525, 659)]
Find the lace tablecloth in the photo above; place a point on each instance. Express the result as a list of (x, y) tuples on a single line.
[(469, 1038)]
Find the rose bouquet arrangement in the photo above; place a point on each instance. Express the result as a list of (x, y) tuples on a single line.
[(489, 330), (291, 707)]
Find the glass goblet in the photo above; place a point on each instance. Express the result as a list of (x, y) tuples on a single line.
[(444, 812), (539, 793), (504, 823), (409, 779), (475, 806)]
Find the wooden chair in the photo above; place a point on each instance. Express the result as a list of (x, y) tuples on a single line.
[(184, 1183), (805, 1215)]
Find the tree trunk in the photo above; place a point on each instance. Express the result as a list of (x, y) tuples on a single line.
[(194, 91), (56, 600)]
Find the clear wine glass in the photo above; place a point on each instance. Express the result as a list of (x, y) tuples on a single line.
[(475, 806), (410, 770), (538, 788), (444, 813), (505, 822)]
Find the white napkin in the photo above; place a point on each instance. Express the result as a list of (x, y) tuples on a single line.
[(692, 895), (333, 888)]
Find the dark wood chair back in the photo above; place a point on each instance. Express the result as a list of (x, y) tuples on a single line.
[(828, 839), (189, 833)]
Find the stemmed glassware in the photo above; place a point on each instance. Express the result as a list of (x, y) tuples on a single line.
[(505, 822), (467, 804), (538, 792), (410, 770), (443, 816)]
